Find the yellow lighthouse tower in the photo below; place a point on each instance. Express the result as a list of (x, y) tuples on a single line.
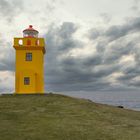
[(30, 50)]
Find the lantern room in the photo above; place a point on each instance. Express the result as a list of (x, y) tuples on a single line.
[(30, 32)]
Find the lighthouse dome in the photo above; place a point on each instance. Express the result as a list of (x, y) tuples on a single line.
[(30, 32)]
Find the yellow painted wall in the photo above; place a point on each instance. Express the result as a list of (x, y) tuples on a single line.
[(33, 69)]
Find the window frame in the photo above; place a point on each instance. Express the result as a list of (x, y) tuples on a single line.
[(26, 80), (29, 56)]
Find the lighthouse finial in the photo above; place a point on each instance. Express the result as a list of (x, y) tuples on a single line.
[(30, 26)]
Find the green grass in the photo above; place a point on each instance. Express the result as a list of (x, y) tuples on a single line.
[(58, 117)]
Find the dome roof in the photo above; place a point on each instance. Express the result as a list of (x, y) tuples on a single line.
[(30, 28)]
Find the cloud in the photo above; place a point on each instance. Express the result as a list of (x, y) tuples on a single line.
[(9, 9), (6, 81), (60, 40), (7, 57), (135, 6), (117, 31), (116, 52), (101, 58), (106, 17)]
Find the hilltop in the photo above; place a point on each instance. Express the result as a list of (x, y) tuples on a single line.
[(58, 117)]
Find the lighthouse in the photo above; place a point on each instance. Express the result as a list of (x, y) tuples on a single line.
[(29, 66)]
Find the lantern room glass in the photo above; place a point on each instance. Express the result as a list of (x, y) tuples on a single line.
[(29, 33)]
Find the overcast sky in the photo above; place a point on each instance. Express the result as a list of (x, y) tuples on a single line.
[(91, 45)]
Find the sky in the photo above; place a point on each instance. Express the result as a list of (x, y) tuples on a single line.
[(91, 45)]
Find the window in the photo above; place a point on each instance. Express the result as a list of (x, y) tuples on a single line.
[(38, 42), (20, 42), (28, 56), (26, 81), (28, 42)]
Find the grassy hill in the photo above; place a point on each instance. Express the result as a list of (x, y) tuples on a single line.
[(58, 117)]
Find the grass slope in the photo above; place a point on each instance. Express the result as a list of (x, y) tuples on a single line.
[(57, 117)]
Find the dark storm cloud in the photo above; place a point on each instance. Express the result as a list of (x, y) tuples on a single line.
[(115, 32), (72, 73), (90, 73), (94, 60), (94, 33), (6, 63), (59, 41), (7, 56), (117, 50)]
